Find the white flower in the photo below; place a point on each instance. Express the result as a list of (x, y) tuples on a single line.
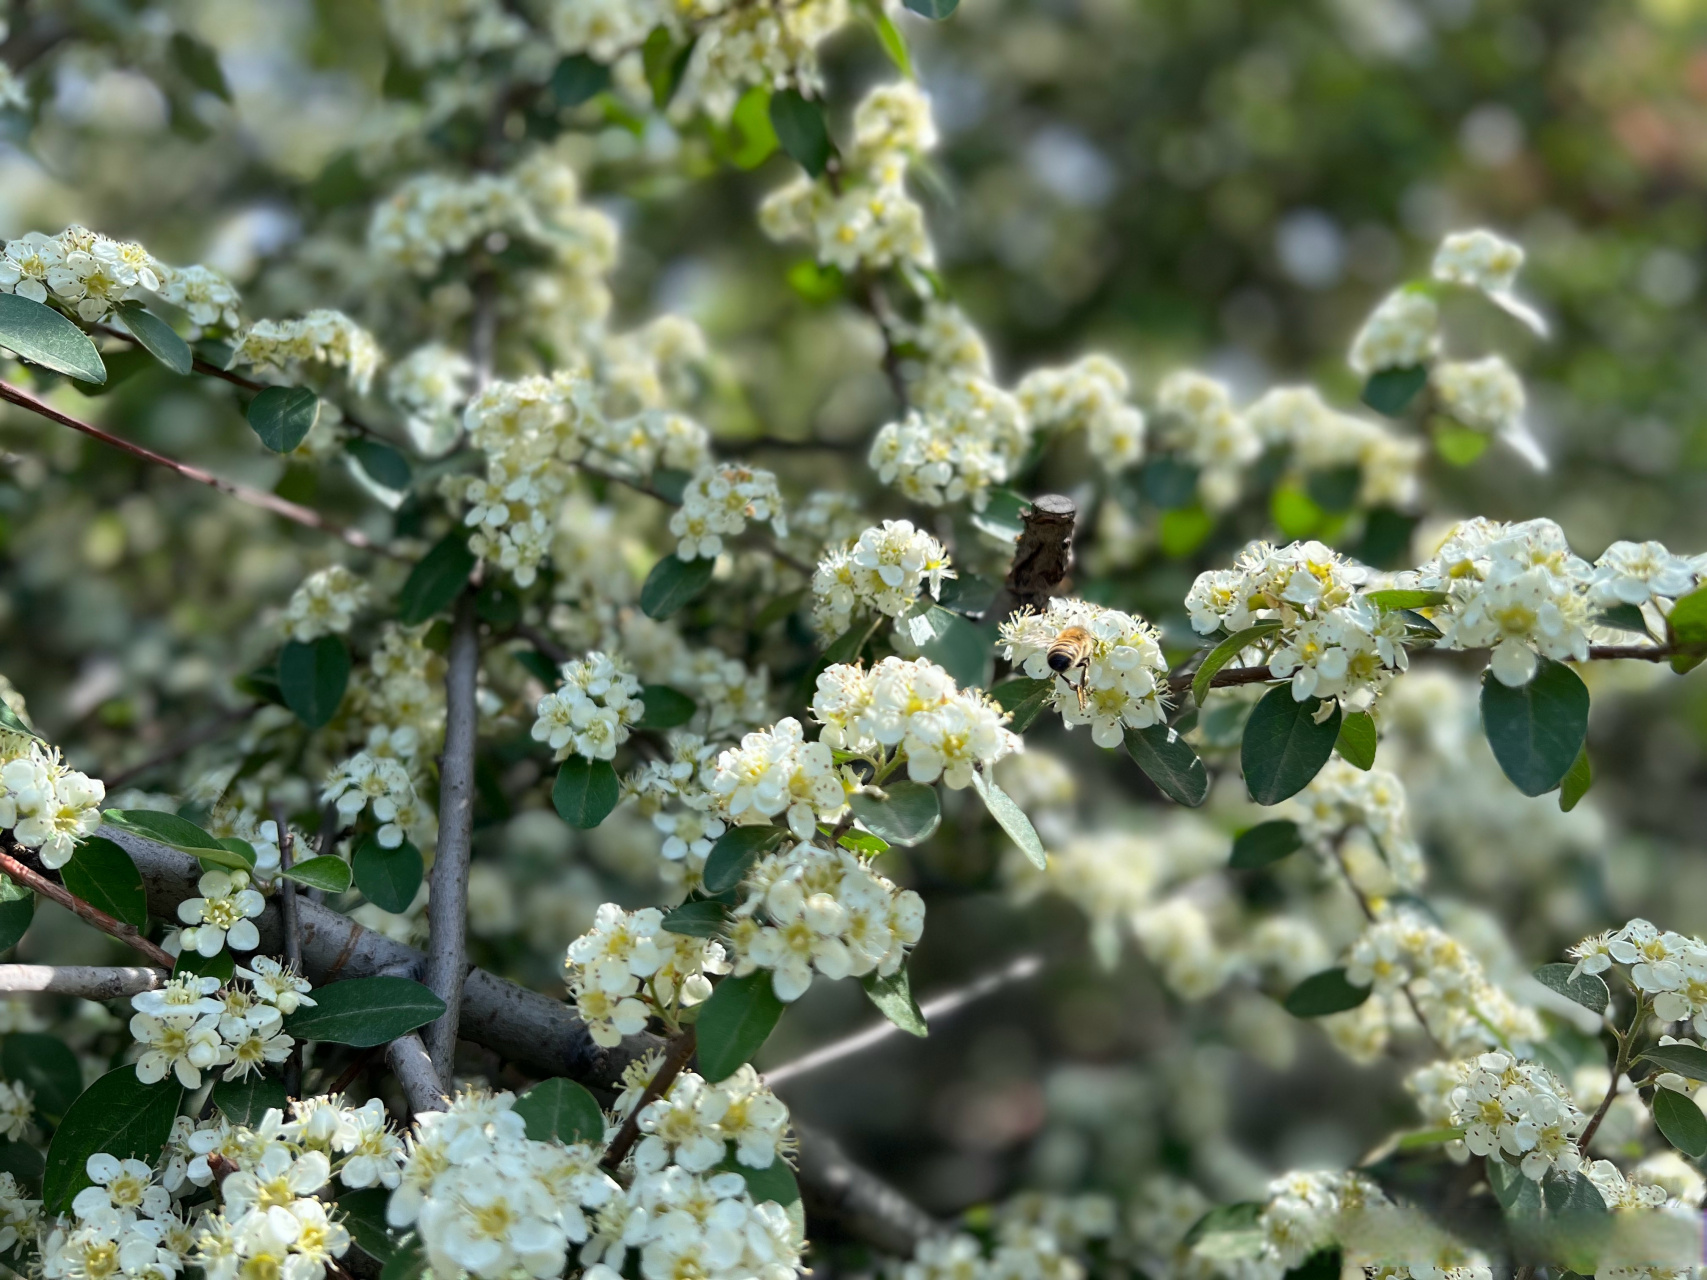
[(1122, 680), (778, 773), (325, 603), (1637, 572), (181, 1044), (323, 336), (964, 435), (383, 783), (48, 806), (223, 915), (282, 988), (593, 710), (718, 502), (881, 571), (1517, 1112), (1401, 333), (1089, 394), (1198, 422)]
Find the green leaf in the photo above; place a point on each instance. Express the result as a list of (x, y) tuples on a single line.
[(383, 464), (968, 594), (1184, 531), (936, 10), (775, 1182), (1324, 993), (1224, 653), (664, 707), (103, 875), (801, 129), (436, 580), (538, 665), (1686, 1060), (961, 648), (908, 813), (15, 917), (1011, 818), (585, 791), (1001, 517), (12, 722), (1458, 445), (157, 337), (1390, 390), (735, 1022), (1335, 489), (37, 333), (283, 416), (577, 78), (498, 605), (1023, 699), (663, 62), (312, 677), (563, 1110), (119, 1115), (22, 1161), (1625, 617), (1536, 730), (1519, 1195), (1168, 482), (1680, 1120), (846, 647), (122, 365), (1265, 843), (1577, 782), (247, 1100), (778, 608), (242, 848), (1587, 989), (672, 583), (735, 851), (1397, 598), (365, 1011), (865, 843), (706, 918), (894, 998), (1168, 761), (813, 280), (388, 878), (364, 1216), (332, 875), (180, 833), (893, 42), (45, 1066), (1686, 628), (1283, 746), (752, 140), (199, 64), (219, 965), (1356, 743), (1242, 1216), (408, 1263), (1295, 512)]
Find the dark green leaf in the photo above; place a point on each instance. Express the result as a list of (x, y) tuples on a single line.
[(157, 337), (577, 78), (775, 1182), (1224, 653), (1023, 699), (1577, 782), (1323, 993), (388, 878), (1324, 1264), (1283, 746), (1587, 989), (1011, 818), (329, 874), (936, 10), (1334, 490), (585, 791), (1265, 843), (383, 464), (1243, 1216), (1390, 390), (45, 1066), (247, 1100), (801, 129), (12, 722), (180, 833), (498, 605), (703, 919), (22, 1161), (1519, 1195), (961, 648), (672, 583), (539, 666), (735, 1022), (1625, 617), (1536, 730), (894, 997), (663, 62), (1680, 1120), (1686, 1060), (39, 334), (1397, 598), (122, 365), (408, 1263), (364, 1217), (365, 1011), (1167, 483), (103, 875), (1356, 743), (283, 416), (436, 580), (777, 609), (735, 851), (15, 917), (1000, 517), (563, 1110), (242, 848), (1686, 628), (199, 64), (119, 1115), (670, 484), (908, 814), (219, 965), (846, 647), (664, 707), (312, 677), (968, 594), (1168, 761)]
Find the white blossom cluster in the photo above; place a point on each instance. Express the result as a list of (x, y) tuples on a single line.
[(1485, 395), (1034, 1235), (325, 604), (1364, 815), (731, 697), (124, 1223), (434, 31), (20, 1217), (221, 914), (718, 502), (1481, 260), (1332, 643), (1666, 967), (1517, 1112), (1122, 683), (320, 337), (17, 1109), (193, 1024), (775, 773), (628, 967), (89, 274), (698, 1125), (592, 711), (805, 909), (428, 387), (1322, 438), (880, 572), (47, 805), (1641, 573), (965, 435), (383, 785), (946, 732), (1402, 332), (1089, 394), (400, 692), (1197, 421)]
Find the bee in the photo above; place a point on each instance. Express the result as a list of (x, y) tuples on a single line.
[(1069, 651)]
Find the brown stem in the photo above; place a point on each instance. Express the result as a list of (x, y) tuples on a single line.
[(125, 933), (243, 493), (1620, 1065), (676, 1058), (544, 643), (182, 746)]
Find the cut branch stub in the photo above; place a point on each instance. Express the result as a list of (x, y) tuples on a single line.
[(1044, 554)]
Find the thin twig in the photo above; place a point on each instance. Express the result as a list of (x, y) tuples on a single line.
[(183, 745), (348, 1075), (92, 982), (676, 1058), (414, 1070), (539, 640), (125, 933), (304, 516), (1620, 1065)]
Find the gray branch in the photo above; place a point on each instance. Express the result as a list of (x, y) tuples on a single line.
[(92, 982), (415, 1072)]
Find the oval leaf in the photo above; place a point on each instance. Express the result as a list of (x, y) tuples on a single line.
[(179, 833), (283, 416), (157, 337), (563, 1110), (585, 791), (962, 648), (1686, 629), (735, 1022), (577, 78), (735, 851), (1587, 989), (1265, 843), (672, 583), (801, 130), (103, 875), (775, 1183), (1011, 818), (388, 878), (364, 1217), (1169, 762), (664, 707), (313, 676), (1390, 390), (1681, 1121), (329, 874), (1398, 598), (245, 1101), (894, 997), (15, 917), (39, 334), (384, 465), (1324, 993), (1577, 782), (119, 1115), (436, 580), (1356, 743), (1224, 653), (365, 1011), (703, 919), (907, 815), (46, 1067), (1687, 1060), (1023, 699), (1537, 730), (1284, 747)]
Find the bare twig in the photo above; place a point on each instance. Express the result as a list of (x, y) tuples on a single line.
[(676, 1059), (544, 643), (92, 982), (1620, 1064), (414, 1070), (304, 516), (125, 933), (447, 901), (182, 745)]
